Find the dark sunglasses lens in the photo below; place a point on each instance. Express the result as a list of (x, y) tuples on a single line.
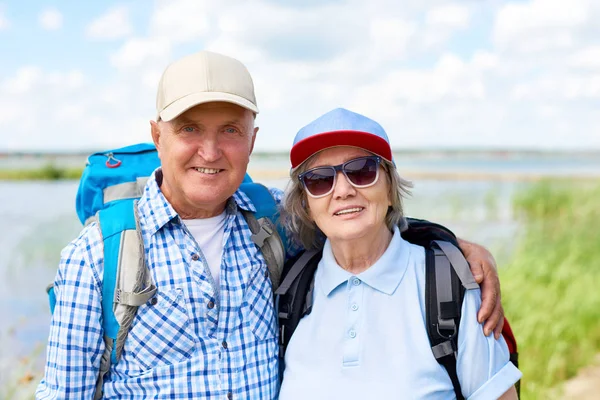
[(362, 171), (319, 181)]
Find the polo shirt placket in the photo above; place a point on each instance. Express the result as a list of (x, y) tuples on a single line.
[(352, 335)]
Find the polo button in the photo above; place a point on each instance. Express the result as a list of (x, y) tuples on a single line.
[(195, 257), (356, 281), (352, 333), (153, 301), (224, 344), (354, 307), (211, 305)]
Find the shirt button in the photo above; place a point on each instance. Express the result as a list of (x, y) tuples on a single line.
[(153, 301), (195, 257), (229, 396), (210, 305), (224, 344), (352, 333), (354, 307), (356, 281)]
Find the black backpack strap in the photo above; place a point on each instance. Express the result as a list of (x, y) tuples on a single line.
[(294, 295), (443, 297)]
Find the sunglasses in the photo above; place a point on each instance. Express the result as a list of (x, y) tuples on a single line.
[(360, 172)]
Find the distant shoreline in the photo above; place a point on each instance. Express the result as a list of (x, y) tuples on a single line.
[(425, 152), (51, 172), (259, 174)]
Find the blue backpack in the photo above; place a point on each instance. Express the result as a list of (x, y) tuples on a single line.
[(110, 186)]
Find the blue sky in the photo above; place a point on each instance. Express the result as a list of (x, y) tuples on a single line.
[(447, 74)]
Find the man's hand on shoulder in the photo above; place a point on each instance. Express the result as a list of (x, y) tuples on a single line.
[(483, 267)]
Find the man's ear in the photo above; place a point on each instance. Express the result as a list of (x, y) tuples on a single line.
[(155, 132)]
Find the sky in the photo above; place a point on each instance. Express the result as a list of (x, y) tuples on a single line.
[(519, 74)]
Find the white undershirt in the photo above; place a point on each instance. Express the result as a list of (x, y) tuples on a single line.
[(208, 233)]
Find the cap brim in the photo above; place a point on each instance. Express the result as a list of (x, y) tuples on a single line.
[(180, 106), (305, 148)]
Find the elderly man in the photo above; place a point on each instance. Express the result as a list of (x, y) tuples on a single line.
[(210, 331)]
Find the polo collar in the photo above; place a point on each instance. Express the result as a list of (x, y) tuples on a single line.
[(385, 275)]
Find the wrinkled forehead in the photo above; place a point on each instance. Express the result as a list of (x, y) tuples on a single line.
[(216, 112)]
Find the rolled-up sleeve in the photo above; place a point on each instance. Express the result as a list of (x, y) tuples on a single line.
[(483, 366)]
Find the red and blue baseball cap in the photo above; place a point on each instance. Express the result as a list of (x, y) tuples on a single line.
[(340, 127)]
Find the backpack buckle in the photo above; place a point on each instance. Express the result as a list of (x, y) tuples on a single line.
[(263, 234), (445, 326)]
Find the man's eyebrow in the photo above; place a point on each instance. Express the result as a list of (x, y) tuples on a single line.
[(184, 121), (234, 121)]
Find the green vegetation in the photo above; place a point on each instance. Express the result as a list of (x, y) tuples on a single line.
[(48, 172), (550, 289)]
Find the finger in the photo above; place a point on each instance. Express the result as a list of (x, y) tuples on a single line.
[(489, 298), (477, 271), (500, 326), (494, 321)]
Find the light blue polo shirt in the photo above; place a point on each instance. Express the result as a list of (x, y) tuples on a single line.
[(366, 337)]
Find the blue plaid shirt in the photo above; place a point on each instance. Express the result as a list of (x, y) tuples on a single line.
[(193, 341)]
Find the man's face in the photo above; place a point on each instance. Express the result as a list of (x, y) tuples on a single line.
[(204, 153)]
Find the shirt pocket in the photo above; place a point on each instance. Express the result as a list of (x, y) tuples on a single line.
[(161, 332), (260, 307)]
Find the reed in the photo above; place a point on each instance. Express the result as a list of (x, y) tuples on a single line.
[(550, 288), (49, 172)]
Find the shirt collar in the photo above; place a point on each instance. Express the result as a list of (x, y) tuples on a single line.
[(157, 211), (385, 275)]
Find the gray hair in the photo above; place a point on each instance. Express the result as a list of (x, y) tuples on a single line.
[(301, 226)]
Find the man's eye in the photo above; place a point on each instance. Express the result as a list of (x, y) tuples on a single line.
[(188, 129), (231, 130)]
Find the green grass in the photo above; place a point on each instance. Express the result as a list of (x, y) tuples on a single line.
[(48, 172), (551, 287)]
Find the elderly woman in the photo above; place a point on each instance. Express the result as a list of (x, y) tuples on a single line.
[(366, 336)]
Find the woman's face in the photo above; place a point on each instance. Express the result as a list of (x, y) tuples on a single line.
[(349, 213)]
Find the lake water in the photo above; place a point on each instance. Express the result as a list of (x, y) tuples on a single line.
[(37, 219)]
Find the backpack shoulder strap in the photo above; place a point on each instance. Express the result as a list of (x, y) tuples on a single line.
[(267, 233), (294, 295), (447, 276), (126, 281)]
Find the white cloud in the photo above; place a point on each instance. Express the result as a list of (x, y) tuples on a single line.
[(183, 20), (441, 22), (540, 25), (453, 16), (4, 23), (51, 20), (390, 37), (114, 24), (23, 81), (586, 58), (139, 51)]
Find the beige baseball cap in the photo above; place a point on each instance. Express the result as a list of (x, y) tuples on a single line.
[(203, 77)]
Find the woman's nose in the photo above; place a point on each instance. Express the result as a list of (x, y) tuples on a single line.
[(343, 188)]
